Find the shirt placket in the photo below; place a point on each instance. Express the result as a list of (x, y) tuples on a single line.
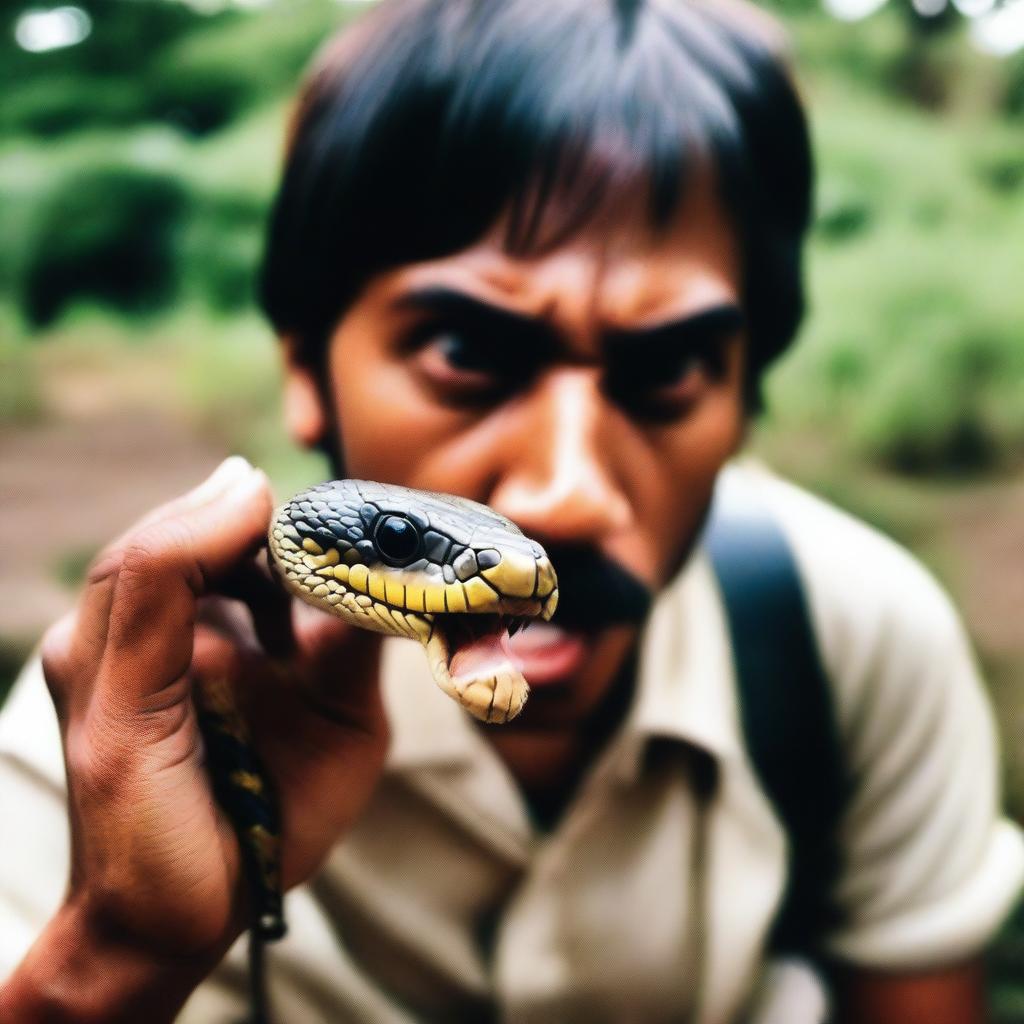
[(601, 932)]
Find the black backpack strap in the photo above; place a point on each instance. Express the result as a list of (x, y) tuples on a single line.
[(785, 704)]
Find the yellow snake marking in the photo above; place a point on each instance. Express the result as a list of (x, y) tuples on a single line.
[(247, 780), (358, 576), (455, 597), (514, 576), (377, 588), (478, 593), (328, 558)]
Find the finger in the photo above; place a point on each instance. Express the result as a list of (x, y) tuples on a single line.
[(94, 605), (322, 735), (161, 570), (269, 605), (229, 619), (339, 663)]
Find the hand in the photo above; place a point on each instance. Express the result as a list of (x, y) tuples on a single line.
[(155, 866)]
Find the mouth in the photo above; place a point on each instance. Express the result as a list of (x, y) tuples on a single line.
[(550, 653)]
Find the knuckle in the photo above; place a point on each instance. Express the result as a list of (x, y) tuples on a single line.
[(153, 550), (99, 761), (55, 655), (146, 551), (90, 771), (105, 565)]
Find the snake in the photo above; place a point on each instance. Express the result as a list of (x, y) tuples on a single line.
[(440, 569)]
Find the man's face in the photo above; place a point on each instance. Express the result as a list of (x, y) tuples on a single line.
[(591, 395)]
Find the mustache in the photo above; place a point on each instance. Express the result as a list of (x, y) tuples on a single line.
[(595, 590)]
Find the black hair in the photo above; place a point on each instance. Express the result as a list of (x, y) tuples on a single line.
[(431, 119)]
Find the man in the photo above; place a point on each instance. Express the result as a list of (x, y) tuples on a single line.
[(536, 254)]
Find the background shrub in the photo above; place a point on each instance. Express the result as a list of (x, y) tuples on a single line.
[(105, 233)]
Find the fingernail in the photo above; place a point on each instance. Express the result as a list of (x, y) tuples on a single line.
[(230, 472)]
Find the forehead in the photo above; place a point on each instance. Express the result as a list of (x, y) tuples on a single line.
[(615, 272)]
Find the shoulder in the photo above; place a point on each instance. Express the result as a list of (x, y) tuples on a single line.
[(883, 624), (929, 868)]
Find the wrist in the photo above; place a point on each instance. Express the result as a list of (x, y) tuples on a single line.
[(75, 975)]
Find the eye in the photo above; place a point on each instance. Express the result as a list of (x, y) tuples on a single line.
[(462, 353), (678, 372), (466, 366), (662, 385), (397, 540), (659, 382), (456, 361)]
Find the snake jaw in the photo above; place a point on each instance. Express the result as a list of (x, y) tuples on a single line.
[(490, 687)]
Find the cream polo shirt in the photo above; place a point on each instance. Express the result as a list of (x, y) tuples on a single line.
[(648, 902)]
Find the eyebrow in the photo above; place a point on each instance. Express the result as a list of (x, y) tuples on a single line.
[(716, 321), (711, 323), (469, 310)]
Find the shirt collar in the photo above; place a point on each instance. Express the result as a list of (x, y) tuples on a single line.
[(685, 687)]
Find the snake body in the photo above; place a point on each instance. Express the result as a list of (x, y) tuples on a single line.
[(437, 568)]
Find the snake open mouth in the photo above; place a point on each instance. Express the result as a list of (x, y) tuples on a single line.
[(471, 660)]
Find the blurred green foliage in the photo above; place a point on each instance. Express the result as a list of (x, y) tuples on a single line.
[(136, 167), (108, 233), (912, 353)]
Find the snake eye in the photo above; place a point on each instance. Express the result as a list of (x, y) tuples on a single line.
[(397, 540)]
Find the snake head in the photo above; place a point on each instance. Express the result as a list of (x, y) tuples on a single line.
[(437, 568)]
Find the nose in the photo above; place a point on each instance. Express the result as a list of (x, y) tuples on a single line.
[(559, 484)]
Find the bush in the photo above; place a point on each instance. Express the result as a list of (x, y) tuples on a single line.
[(842, 213), (63, 103), (935, 407), (207, 79), (1013, 92), (106, 233), (221, 250), (1001, 171), (201, 100)]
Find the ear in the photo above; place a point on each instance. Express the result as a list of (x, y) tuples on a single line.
[(304, 413)]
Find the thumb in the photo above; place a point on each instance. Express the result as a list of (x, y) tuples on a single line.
[(155, 576)]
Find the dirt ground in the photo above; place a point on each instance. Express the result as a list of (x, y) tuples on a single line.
[(70, 485)]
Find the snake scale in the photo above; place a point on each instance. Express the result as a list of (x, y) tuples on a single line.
[(437, 568)]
